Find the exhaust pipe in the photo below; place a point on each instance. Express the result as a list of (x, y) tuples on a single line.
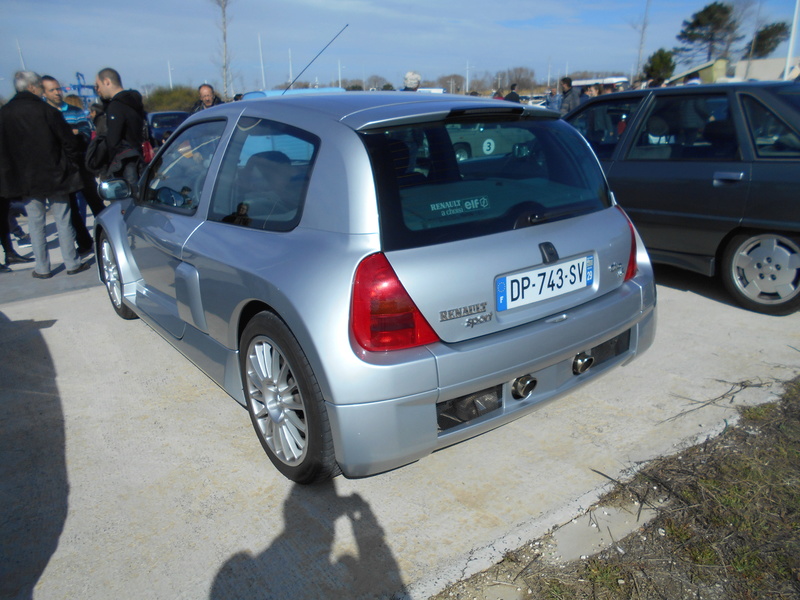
[(582, 363), (523, 386)]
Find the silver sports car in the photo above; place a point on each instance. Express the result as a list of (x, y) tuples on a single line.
[(366, 293)]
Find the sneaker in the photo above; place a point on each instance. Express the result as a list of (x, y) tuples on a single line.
[(76, 270), (24, 241)]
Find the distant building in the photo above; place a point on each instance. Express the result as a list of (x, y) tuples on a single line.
[(710, 72), (765, 69)]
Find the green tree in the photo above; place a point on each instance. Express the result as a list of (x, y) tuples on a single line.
[(710, 33), (660, 65), (180, 97), (766, 39)]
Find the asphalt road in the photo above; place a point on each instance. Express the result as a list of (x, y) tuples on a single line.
[(126, 473)]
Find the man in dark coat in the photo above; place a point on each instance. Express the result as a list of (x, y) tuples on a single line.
[(125, 118), (512, 96), (38, 163), (570, 96), (207, 98)]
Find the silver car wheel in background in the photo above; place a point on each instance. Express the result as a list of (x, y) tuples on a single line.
[(109, 273), (276, 401), (763, 272)]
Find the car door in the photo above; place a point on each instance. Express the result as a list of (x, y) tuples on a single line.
[(164, 216), (681, 176), (773, 202)]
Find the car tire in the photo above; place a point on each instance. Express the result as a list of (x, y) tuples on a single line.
[(762, 272), (462, 152), (285, 402), (111, 278)]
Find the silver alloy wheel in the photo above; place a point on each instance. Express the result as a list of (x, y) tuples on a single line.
[(111, 274), (765, 269), (276, 401)]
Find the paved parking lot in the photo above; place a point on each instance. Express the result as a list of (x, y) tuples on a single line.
[(126, 473)]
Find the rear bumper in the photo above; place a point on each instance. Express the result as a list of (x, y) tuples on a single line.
[(378, 436)]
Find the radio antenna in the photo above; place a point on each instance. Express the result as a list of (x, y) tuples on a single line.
[(315, 58)]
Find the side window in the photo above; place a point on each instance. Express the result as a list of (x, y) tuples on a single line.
[(264, 175), (176, 178), (693, 127), (772, 138), (603, 123)]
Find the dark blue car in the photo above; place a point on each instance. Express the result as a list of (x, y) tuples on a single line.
[(159, 123)]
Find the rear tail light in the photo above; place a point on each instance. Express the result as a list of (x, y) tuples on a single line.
[(633, 266), (382, 315)]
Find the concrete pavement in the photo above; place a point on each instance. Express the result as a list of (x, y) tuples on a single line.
[(125, 472)]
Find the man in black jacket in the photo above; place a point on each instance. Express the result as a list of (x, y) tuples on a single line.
[(38, 163), (570, 96), (207, 98), (125, 119)]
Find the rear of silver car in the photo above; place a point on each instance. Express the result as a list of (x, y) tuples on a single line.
[(523, 278)]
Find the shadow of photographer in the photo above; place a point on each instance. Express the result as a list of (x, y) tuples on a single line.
[(308, 560), (33, 475)]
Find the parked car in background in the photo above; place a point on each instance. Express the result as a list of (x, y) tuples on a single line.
[(159, 123), (329, 262), (710, 176)]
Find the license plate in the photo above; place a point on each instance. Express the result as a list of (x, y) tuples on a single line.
[(542, 283)]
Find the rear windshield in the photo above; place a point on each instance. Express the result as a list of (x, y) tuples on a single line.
[(458, 179)]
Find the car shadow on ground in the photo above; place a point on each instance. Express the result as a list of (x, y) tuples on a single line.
[(304, 561), (688, 281), (33, 476)]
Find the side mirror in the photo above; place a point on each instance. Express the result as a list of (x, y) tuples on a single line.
[(114, 189)]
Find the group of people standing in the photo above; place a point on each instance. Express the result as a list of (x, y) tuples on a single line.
[(44, 146)]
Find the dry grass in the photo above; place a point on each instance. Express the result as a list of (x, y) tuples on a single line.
[(730, 528)]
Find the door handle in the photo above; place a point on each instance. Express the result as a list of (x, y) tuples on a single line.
[(727, 177)]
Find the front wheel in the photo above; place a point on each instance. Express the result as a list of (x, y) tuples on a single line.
[(284, 401), (109, 273), (762, 272)]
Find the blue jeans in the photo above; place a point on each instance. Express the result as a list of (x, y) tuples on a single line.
[(37, 214)]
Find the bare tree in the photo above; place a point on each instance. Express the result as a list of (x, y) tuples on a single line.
[(641, 27), (376, 82), (524, 77), (453, 84), (226, 59)]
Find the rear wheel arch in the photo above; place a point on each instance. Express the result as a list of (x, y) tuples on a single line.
[(247, 313)]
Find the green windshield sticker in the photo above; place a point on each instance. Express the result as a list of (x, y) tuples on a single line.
[(460, 206)]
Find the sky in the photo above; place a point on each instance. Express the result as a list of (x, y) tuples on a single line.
[(152, 41)]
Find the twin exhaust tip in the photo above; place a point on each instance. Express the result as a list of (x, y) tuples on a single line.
[(522, 387), (582, 363)]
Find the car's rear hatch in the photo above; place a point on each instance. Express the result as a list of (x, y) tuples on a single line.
[(494, 242), (474, 287)]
